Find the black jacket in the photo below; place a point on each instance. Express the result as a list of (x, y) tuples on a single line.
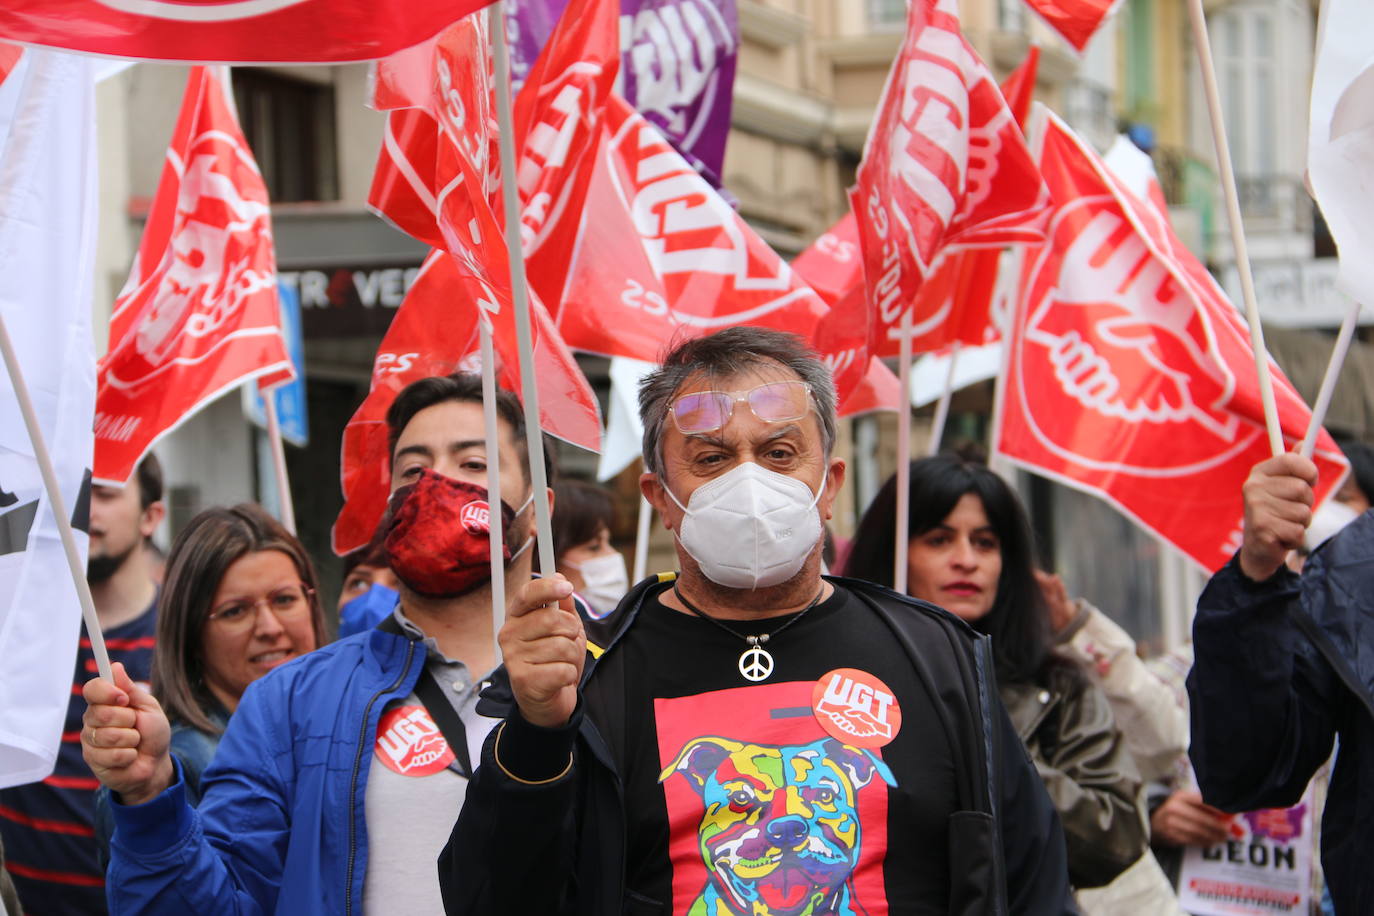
[(1281, 668), (559, 847)]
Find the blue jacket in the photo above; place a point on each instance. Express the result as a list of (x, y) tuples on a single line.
[(1282, 667), (281, 825)]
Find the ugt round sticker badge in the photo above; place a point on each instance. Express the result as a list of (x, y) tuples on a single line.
[(409, 743), (857, 708)]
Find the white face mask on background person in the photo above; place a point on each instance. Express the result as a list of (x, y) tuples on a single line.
[(605, 581), (1327, 522), (750, 527)]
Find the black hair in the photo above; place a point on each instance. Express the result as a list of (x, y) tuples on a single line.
[(1361, 458), (460, 386), (580, 511), (1019, 620)]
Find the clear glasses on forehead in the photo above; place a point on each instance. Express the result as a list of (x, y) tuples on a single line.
[(286, 603), (774, 402)]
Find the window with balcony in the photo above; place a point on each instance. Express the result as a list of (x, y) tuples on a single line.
[(289, 123), (887, 15)]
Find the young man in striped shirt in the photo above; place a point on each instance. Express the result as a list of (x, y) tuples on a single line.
[(47, 826)]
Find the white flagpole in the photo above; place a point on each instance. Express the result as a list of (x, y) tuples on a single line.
[(58, 504), (287, 508), (899, 558), (937, 429), (1328, 386), (646, 517), (1198, 18), (510, 197), (495, 533)]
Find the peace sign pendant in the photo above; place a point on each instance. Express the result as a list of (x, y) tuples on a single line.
[(755, 664)]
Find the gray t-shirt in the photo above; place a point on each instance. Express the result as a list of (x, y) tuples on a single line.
[(415, 789)]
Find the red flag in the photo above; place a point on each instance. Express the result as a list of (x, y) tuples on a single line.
[(1077, 20), (557, 125), (662, 257), (199, 314), (1129, 373), (945, 170), (438, 179), (1019, 86), (438, 173), (435, 332), (833, 269), (232, 31)]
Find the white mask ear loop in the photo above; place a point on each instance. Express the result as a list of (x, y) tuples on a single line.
[(529, 540)]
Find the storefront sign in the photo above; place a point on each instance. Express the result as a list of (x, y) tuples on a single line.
[(349, 302)]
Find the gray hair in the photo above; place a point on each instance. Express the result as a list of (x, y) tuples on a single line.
[(723, 354)]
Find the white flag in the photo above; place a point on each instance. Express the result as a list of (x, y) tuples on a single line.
[(1341, 139), (47, 265)]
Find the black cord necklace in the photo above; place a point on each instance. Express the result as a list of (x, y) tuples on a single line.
[(755, 663)]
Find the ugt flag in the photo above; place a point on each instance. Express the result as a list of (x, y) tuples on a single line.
[(1129, 374), (1076, 20), (945, 170), (677, 66), (232, 31), (832, 268), (199, 313), (48, 213), (663, 257)]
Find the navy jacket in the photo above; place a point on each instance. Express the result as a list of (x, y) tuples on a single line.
[(281, 825), (558, 848), (1283, 667)]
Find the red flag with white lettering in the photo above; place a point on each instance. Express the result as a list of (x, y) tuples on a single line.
[(1076, 20), (945, 170), (438, 172), (435, 332), (199, 313), (231, 31), (662, 257), (557, 116), (832, 268), (1129, 373)]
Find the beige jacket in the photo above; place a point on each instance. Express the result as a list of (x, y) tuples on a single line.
[(1154, 726)]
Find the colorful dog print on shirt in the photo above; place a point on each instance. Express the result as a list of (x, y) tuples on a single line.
[(780, 832)]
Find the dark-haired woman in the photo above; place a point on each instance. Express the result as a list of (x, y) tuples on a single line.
[(240, 599), (583, 515), (971, 554)]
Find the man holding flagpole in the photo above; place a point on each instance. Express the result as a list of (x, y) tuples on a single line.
[(341, 773), (747, 737), (47, 826)]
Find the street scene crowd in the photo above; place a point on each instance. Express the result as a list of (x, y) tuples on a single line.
[(826, 704)]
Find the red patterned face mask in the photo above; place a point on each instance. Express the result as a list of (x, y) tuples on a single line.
[(438, 542)]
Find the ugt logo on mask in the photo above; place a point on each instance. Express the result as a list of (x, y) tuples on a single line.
[(476, 517)]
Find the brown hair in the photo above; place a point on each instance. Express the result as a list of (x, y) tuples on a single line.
[(210, 543)]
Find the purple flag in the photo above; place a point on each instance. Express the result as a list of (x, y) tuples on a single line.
[(677, 66)]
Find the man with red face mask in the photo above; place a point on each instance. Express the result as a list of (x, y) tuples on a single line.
[(340, 775)]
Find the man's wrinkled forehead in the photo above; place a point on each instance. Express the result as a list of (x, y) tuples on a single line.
[(736, 382)]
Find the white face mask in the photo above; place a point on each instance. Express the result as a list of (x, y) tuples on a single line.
[(1327, 522), (605, 581), (750, 527)]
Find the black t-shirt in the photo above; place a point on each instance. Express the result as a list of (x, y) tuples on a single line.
[(829, 783)]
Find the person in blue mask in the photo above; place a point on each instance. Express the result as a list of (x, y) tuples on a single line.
[(370, 589)]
